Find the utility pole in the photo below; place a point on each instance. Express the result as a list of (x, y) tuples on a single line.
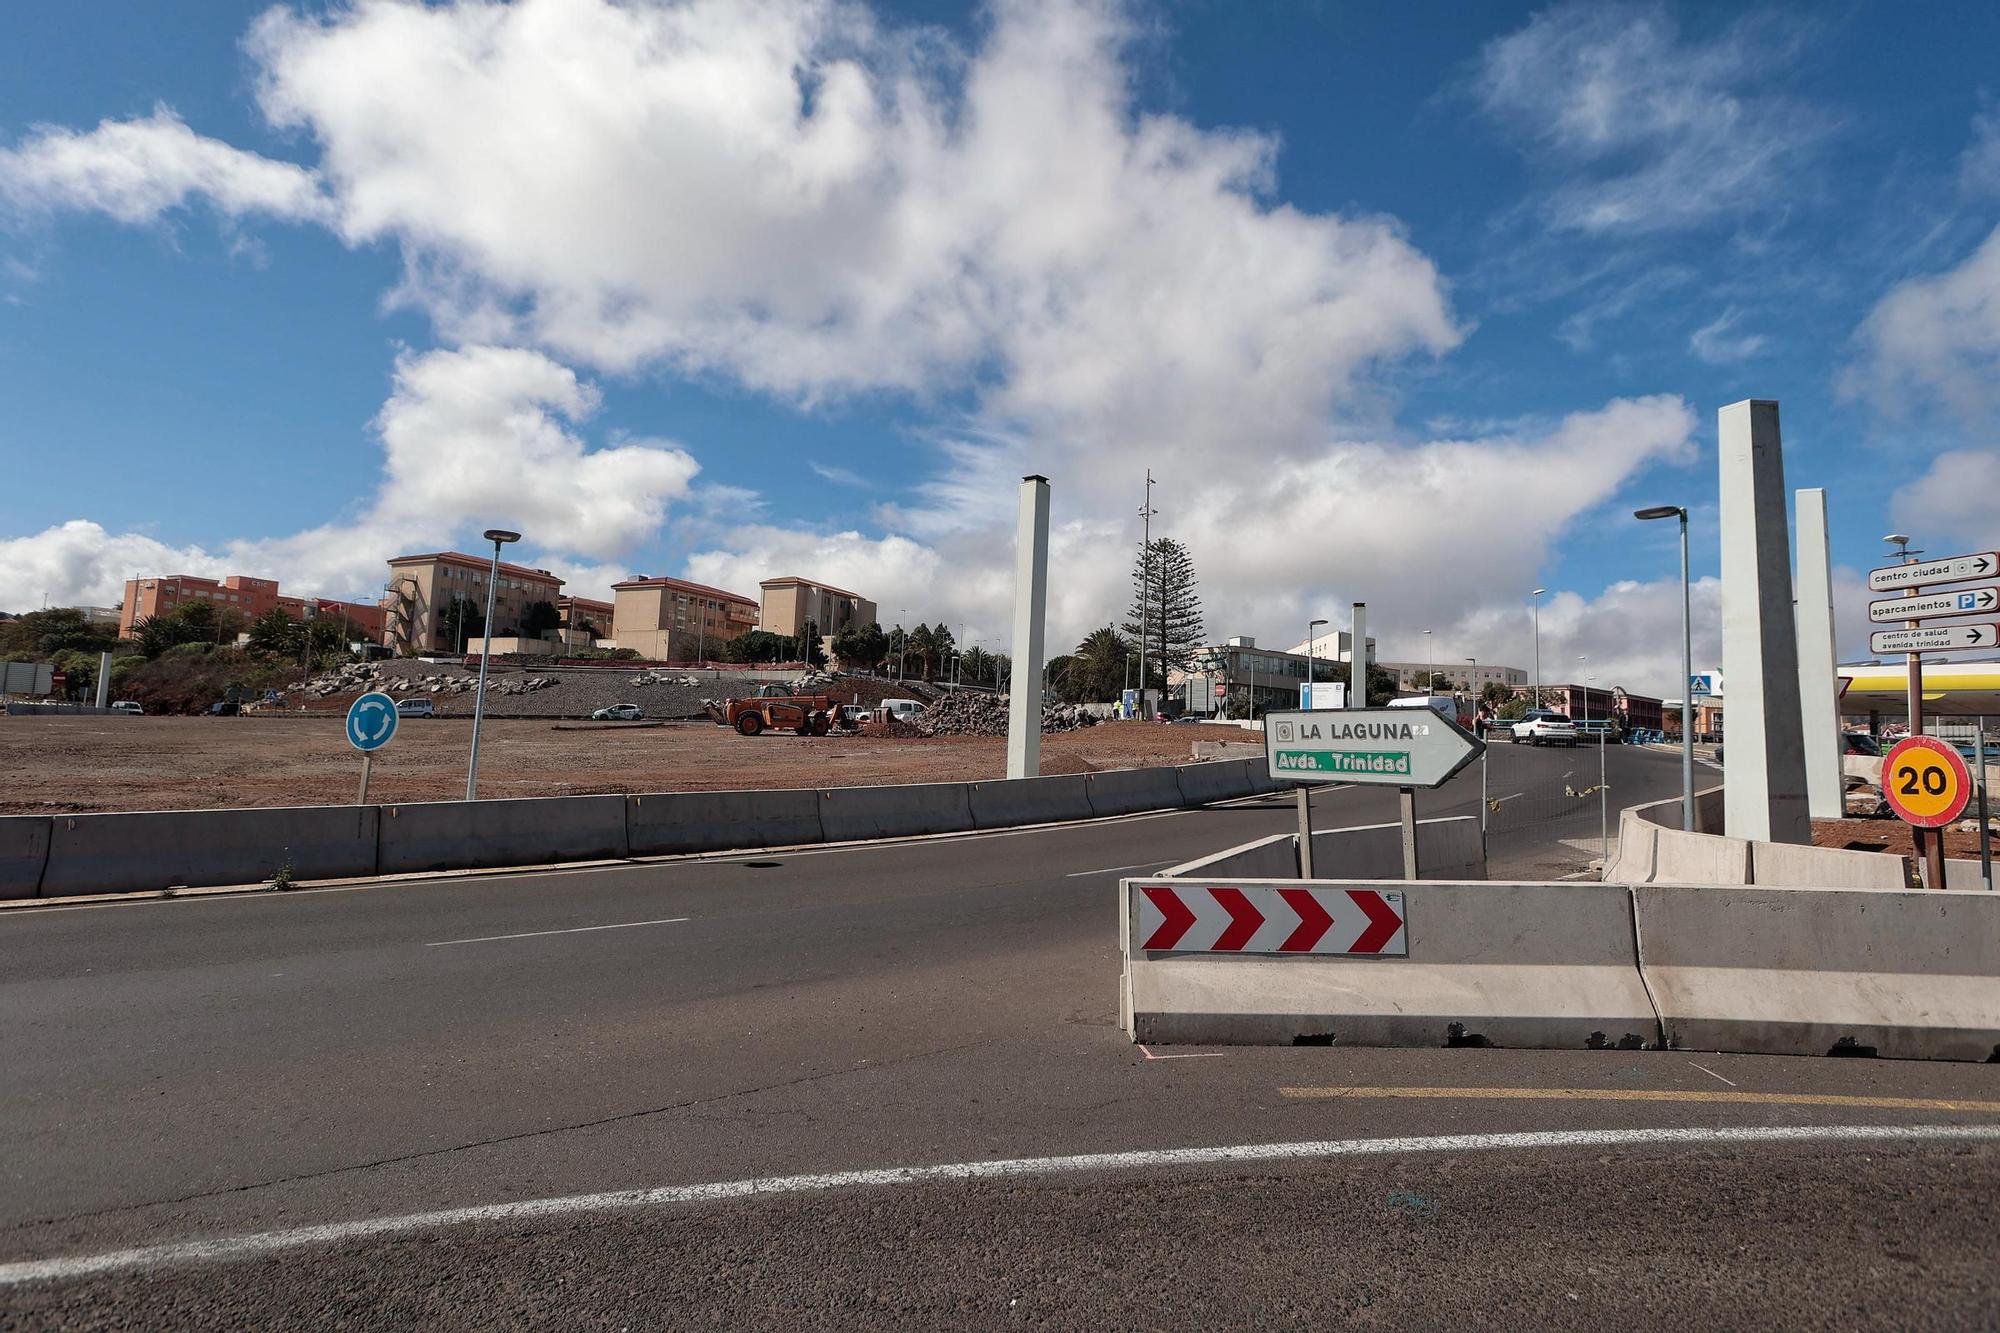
[(1538, 646), (1146, 512)]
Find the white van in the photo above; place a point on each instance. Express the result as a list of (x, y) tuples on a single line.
[(898, 708), (416, 708)]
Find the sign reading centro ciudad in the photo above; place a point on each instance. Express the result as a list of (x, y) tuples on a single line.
[(1392, 747)]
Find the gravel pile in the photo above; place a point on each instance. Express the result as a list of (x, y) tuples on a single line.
[(985, 715), (512, 691)]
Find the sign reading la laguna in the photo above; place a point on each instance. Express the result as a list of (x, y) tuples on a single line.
[(1395, 747)]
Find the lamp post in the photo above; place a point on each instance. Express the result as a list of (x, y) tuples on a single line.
[(499, 537), (1431, 660), (1312, 625), (1538, 646), (1687, 665), (902, 639)]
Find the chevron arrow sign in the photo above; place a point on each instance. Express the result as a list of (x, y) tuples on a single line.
[(1250, 918)]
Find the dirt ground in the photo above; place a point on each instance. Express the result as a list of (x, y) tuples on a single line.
[(72, 764), (1890, 835)]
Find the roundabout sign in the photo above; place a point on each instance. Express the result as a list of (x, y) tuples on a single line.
[(1925, 782), (371, 724)]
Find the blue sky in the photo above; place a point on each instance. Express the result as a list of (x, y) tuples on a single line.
[(1402, 304)]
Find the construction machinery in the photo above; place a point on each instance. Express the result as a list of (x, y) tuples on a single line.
[(774, 708)]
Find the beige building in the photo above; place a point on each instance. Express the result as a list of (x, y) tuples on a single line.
[(1476, 675), (791, 601), (672, 620), (422, 587)]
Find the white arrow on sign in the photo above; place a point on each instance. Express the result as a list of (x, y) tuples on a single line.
[(1395, 747), (1964, 602), (1951, 569), (1934, 638)]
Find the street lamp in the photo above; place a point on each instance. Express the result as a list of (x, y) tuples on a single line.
[(1312, 625), (1687, 665), (1431, 659), (499, 537), (1538, 646)]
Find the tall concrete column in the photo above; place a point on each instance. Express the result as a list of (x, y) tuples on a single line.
[(104, 680), (1819, 693), (1764, 792), (1031, 595), (1357, 658)]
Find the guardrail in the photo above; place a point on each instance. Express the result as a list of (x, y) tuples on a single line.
[(149, 851)]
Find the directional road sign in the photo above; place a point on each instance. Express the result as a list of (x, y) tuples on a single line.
[(1248, 918), (371, 721), (1951, 569), (1925, 782), (1394, 747), (1934, 639), (1962, 602)]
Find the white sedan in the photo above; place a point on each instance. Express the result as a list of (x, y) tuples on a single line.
[(619, 713)]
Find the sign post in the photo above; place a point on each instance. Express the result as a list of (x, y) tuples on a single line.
[(1405, 748), (371, 724), (1916, 639)]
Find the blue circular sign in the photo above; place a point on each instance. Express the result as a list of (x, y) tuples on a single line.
[(371, 721)]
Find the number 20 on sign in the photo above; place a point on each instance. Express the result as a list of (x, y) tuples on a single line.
[(1925, 782)]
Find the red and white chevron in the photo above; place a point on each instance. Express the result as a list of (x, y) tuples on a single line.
[(1249, 918)]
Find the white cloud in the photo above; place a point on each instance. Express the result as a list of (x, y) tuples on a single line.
[(1655, 131), (1936, 337), (839, 476), (136, 170), (1958, 496), (472, 438), (1714, 342), (1979, 165)]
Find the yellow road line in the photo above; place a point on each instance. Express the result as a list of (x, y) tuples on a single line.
[(1647, 1095)]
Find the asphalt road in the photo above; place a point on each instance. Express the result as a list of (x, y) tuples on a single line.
[(178, 1071)]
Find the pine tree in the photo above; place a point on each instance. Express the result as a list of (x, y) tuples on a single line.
[(1170, 611)]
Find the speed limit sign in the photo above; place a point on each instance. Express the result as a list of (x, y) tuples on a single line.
[(1925, 782)]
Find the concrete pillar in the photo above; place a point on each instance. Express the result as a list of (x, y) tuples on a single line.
[(1357, 658), (1031, 595), (1819, 691), (104, 680), (1764, 789)]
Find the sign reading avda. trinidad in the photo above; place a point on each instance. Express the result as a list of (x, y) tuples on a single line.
[(1395, 747)]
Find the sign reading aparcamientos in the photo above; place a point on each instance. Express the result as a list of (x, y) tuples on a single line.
[(1395, 747)]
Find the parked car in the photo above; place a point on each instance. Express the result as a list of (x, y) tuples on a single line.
[(1858, 742), (416, 708), (619, 713), (131, 706), (1545, 726), (223, 708), (853, 715)]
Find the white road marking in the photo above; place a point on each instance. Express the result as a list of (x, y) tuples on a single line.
[(223, 1249), (573, 930), (1710, 1072), (1186, 1055), (1138, 865)]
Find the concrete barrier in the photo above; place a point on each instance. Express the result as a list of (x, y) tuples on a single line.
[(851, 813), (1783, 865), (670, 823), (160, 849), (1899, 973), (527, 831), (1525, 965), (24, 850), (1963, 874), (1011, 802), (1126, 791), (1867, 767), (1447, 849), (1220, 780), (1637, 846), (1699, 858)]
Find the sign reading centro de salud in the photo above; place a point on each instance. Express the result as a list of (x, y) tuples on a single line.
[(1394, 747)]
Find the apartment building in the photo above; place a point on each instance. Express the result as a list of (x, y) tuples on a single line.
[(422, 588), (248, 597), (673, 620), (1476, 675), (584, 620), (790, 602)]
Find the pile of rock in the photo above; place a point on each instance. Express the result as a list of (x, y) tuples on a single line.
[(350, 679), (663, 678), (985, 715)]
